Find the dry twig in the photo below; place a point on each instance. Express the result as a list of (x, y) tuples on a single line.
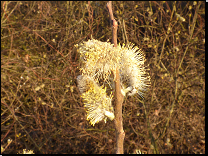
[(119, 97)]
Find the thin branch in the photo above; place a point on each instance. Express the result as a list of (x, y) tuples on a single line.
[(118, 96), (114, 24), (118, 116)]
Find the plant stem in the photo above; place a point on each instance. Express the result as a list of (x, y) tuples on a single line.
[(119, 97)]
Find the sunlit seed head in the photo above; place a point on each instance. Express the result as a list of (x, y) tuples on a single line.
[(100, 59), (195, 3), (190, 7), (133, 71), (96, 102), (27, 152)]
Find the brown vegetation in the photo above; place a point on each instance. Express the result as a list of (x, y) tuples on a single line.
[(41, 108)]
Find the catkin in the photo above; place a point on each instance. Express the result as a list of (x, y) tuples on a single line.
[(97, 103), (98, 61)]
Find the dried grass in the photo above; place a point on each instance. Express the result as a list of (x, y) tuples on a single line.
[(41, 108)]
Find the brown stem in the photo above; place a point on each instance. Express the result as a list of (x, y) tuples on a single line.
[(118, 115), (114, 24), (118, 96)]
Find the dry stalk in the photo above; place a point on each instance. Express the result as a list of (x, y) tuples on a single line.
[(119, 97)]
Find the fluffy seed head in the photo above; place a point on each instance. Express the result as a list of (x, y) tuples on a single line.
[(99, 59), (97, 103), (133, 71)]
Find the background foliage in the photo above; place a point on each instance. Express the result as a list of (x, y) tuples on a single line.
[(41, 108)]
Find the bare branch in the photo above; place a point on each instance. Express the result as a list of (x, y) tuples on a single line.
[(119, 97), (114, 24)]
